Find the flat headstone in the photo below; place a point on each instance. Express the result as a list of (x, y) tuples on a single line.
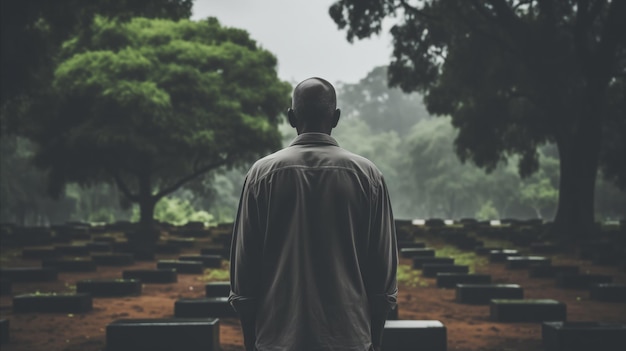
[(217, 289), (109, 287), (501, 255), (206, 307), (72, 250), (527, 310), (155, 276), (411, 335), (29, 274), (38, 253), (581, 281), (209, 261), (431, 269), (182, 242), (99, 247), (608, 292), (70, 265), (182, 267), (104, 239), (419, 261), (450, 280), (583, 336), (417, 252), (221, 251), (163, 334), (405, 244), (113, 259), (523, 262), (485, 250), (52, 303), (544, 248), (5, 287), (166, 248), (549, 271), (482, 294), (4, 331)]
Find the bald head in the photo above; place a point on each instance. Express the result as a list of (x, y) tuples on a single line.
[(314, 106)]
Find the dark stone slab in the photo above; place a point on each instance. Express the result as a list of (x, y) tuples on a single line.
[(182, 267), (156, 276), (544, 248), (104, 239), (431, 269), (411, 335), (52, 303), (581, 281), (550, 271), (583, 336), (419, 261), (485, 251), (209, 261), (99, 247), (608, 292), (527, 310), (5, 287), (482, 294), (70, 265), (4, 331), (182, 242), (33, 236), (165, 248), (207, 307), (221, 251), (29, 274), (450, 280), (113, 259), (501, 255), (38, 253), (435, 222), (417, 252), (523, 262), (72, 250), (405, 244), (109, 287), (163, 334), (217, 289)]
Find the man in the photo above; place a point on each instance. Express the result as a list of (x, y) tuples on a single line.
[(314, 256)]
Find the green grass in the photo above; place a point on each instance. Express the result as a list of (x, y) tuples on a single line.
[(408, 276)]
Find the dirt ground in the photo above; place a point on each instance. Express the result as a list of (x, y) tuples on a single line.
[(468, 326)]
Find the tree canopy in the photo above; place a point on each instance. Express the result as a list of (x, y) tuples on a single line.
[(152, 104), (514, 75)]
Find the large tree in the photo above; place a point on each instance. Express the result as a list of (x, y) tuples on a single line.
[(152, 104), (513, 74)]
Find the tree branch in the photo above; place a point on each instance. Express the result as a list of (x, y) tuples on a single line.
[(124, 188), (189, 177), (414, 10)]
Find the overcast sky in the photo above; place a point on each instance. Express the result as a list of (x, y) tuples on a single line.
[(303, 37)]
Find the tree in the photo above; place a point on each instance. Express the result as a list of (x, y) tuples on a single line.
[(153, 104), (33, 30), (513, 75), (382, 108)]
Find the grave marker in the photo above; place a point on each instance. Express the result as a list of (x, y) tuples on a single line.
[(209, 261), (163, 334), (4, 331), (450, 280), (581, 281), (527, 310), (52, 303), (583, 336), (182, 267), (207, 307), (482, 294), (431, 269), (113, 259), (29, 274), (70, 265), (608, 292), (523, 262), (109, 287), (417, 252), (411, 335), (419, 261), (549, 271), (147, 276), (217, 289)]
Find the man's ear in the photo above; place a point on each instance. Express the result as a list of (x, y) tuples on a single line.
[(336, 116), (291, 116)]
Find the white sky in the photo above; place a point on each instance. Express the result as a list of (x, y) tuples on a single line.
[(302, 36)]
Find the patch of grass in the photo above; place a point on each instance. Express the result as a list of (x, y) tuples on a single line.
[(409, 277), (461, 257), (217, 274)]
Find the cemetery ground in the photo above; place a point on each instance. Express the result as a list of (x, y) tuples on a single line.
[(468, 326)]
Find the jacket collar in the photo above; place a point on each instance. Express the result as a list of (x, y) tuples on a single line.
[(314, 138)]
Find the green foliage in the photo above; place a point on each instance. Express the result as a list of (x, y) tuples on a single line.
[(408, 276), (177, 211), (487, 212)]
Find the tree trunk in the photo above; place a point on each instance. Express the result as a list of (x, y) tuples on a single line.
[(578, 153), (147, 234)]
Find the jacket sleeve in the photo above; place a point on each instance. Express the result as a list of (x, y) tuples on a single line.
[(245, 254), (381, 283)]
